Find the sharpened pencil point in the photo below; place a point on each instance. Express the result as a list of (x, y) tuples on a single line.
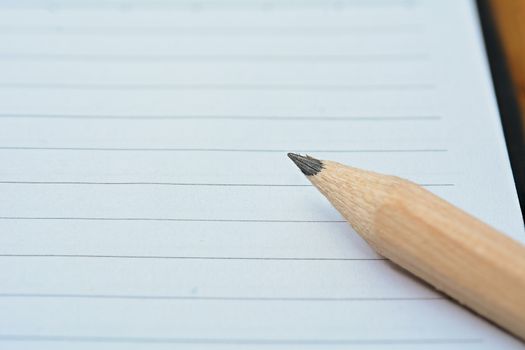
[(308, 165)]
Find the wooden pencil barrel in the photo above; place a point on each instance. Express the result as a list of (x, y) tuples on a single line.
[(448, 248), (453, 251)]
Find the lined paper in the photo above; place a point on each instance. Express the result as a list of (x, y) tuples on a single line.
[(147, 200)]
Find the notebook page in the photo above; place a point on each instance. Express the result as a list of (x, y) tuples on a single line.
[(147, 200)]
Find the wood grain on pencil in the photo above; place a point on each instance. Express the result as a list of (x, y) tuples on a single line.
[(456, 253)]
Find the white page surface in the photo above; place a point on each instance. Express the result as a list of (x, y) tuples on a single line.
[(146, 200)]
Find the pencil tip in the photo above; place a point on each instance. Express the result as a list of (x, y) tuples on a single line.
[(308, 165)]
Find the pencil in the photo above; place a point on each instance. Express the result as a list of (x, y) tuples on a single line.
[(457, 254)]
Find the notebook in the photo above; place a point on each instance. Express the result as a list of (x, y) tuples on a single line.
[(146, 198)]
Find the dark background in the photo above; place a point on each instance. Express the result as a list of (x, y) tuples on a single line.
[(503, 23)]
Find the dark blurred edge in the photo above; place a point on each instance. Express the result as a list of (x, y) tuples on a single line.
[(507, 102)]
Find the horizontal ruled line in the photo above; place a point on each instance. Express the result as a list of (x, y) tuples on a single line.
[(160, 257), (204, 6), (357, 58), (238, 31), (226, 117), (166, 219), (243, 150), (151, 184), (12, 182), (212, 298), (236, 341), (220, 87)]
